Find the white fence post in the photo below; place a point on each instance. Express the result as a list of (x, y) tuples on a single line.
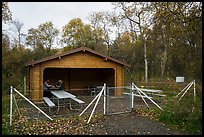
[(11, 94), (107, 101), (132, 99), (104, 99)]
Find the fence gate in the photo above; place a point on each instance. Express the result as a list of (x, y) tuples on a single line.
[(118, 104)]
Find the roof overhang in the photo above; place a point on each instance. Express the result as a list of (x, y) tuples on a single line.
[(82, 49)]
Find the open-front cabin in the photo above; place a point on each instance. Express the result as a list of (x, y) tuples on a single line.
[(79, 69)]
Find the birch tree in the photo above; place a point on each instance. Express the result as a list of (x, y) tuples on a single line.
[(171, 26), (136, 12), (16, 32)]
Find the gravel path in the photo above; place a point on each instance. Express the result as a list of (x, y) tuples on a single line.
[(130, 124)]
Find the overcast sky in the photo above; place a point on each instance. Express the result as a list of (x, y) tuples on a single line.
[(32, 14)]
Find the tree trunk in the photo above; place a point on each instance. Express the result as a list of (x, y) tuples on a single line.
[(163, 62), (145, 61)]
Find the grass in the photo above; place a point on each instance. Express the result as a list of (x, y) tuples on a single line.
[(184, 115), (5, 115)]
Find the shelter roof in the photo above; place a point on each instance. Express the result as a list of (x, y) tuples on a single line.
[(82, 49)]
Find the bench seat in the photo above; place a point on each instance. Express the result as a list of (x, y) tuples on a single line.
[(48, 102), (77, 100), (81, 102)]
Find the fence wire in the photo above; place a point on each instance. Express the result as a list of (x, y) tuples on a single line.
[(22, 108), (118, 101)]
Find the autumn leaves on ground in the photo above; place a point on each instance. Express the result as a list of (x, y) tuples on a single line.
[(130, 123), (176, 118)]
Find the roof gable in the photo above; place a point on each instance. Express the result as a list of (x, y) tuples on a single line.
[(84, 49)]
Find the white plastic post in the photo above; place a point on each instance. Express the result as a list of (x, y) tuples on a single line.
[(194, 90), (132, 88), (11, 94), (33, 104), (91, 102), (147, 97), (183, 89), (186, 90), (95, 106), (142, 98), (104, 99)]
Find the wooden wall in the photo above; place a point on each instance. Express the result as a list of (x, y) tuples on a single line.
[(66, 67)]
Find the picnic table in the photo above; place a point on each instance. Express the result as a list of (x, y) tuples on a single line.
[(150, 91), (61, 94)]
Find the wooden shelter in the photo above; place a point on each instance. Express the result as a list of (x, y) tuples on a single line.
[(78, 69)]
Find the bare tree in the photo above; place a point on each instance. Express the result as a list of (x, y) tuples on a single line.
[(101, 20), (16, 30)]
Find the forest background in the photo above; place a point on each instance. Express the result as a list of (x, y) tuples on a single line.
[(160, 40)]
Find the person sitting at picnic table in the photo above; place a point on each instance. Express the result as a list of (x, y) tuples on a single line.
[(46, 87), (60, 85)]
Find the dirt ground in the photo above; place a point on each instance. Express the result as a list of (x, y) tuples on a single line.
[(131, 123)]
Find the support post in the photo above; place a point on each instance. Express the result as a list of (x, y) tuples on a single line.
[(194, 90), (24, 85), (104, 99), (95, 106), (11, 94), (90, 103), (107, 101), (33, 104), (147, 96), (98, 98), (142, 98), (132, 96), (186, 90)]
